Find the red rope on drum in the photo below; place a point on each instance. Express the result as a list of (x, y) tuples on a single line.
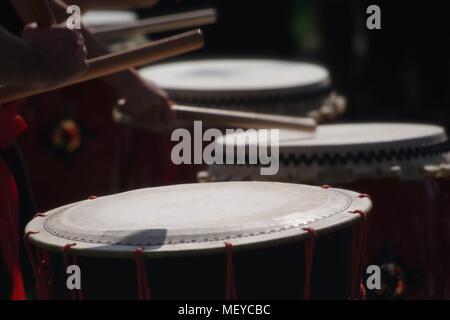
[(142, 277), (230, 289), (359, 243), (310, 246), (40, 264), (362, 292), (77, 294)]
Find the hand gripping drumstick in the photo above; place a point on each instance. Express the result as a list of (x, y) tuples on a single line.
[(228, 118), (117, 62), (111, 63), (171, 22), (167, 47)]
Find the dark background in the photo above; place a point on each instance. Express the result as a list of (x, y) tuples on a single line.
[(400, 72)]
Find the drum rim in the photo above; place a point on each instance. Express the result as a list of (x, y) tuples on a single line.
[(45, 240), (92, 20), (405, 159), (311, 153)]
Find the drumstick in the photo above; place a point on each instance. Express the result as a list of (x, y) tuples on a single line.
[(117, 62), (242, 119), (171, 22), (229, 118)]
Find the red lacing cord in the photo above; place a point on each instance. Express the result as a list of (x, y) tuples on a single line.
[(142, 278), (40, 264), (362, 292), (359, 243), (39, 215), (310, 246), (363, 195), (230, 289), (77, 294)]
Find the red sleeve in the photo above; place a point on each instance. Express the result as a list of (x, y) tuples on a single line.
[(11, 124)]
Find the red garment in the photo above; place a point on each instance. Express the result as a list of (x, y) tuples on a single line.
[(11, 125)]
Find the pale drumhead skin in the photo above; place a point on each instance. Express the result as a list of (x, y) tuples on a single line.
[(346, 137), (195, 218), (268, 86), (236, 75), (365, 148), (96, 18)]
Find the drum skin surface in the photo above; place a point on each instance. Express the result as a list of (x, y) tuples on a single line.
[(340, 153), (97, 18), (194, 217), (270, 86), (185, 232), (237, 76)]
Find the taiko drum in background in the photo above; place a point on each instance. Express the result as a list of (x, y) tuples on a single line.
[(246, 240), (73, 147), (99, 20), (403, 167), (265, 86)]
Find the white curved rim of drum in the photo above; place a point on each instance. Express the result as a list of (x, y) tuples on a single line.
[(195, 218), (342, 152), (237, 77), (100, 18), (347, 138)]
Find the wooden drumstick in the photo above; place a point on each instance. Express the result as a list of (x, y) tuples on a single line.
[(243, 119), (117, 62), (229, 118), (171, 22)]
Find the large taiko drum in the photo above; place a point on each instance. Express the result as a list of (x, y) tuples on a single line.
[(99, 20), (246, 240), (403, 167)]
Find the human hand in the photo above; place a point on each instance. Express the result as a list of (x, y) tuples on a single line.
[(144, 103), (54, 54)]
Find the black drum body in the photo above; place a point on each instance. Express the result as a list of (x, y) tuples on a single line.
[(276, 272)]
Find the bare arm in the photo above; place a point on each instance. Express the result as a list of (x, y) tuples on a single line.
[(144, 100)]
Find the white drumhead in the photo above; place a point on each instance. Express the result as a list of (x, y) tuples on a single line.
[(195, 217), (236, 75), (338, 137), (97, 18), (342, 153)]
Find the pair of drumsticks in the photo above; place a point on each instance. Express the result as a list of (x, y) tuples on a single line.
[(150, 53)]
